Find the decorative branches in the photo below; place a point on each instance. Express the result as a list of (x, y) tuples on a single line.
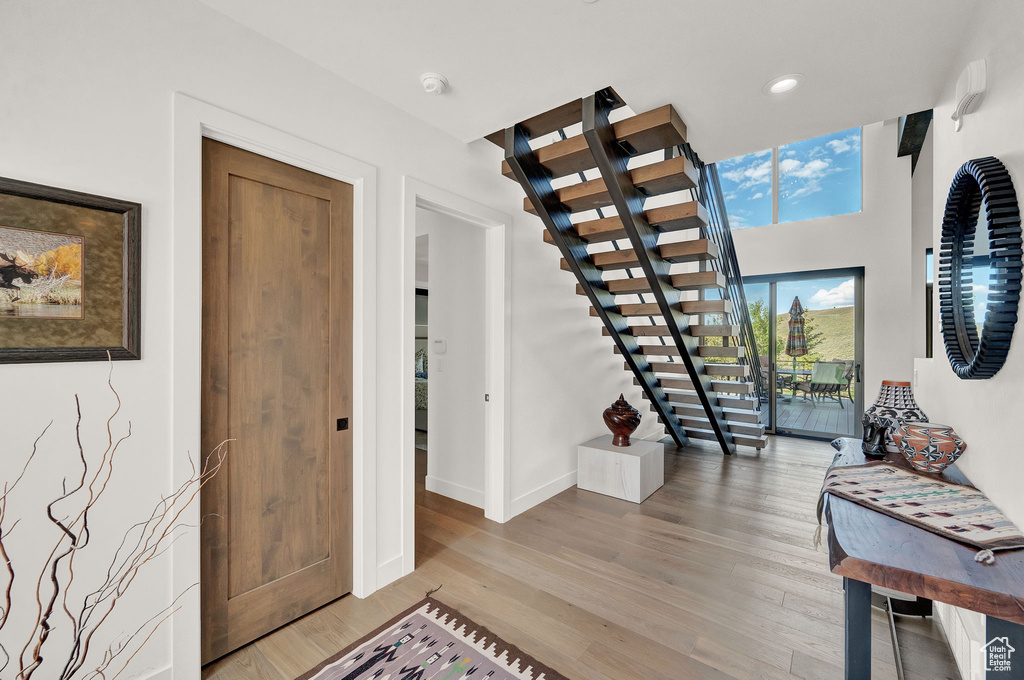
[(56, 603)]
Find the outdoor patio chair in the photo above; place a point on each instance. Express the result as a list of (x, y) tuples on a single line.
[(826, 381), (847, 365)]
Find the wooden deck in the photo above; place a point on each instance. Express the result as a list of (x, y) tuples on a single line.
[(825, 417), (714, 577)]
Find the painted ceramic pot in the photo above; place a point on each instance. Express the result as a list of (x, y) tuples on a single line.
[(929, 447), (622, 419), (895, 403)]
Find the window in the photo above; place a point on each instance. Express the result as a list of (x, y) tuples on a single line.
[(747, 185), (817, 177)]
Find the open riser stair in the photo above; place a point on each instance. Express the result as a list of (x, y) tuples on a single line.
[(640, 222)]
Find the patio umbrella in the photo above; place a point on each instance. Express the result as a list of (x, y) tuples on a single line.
[(796, 341)]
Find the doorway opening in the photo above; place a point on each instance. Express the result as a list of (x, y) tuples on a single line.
[(458, 374), (450, 359), (810, 339)]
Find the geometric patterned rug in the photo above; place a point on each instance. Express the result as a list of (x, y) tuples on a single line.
[(431, 641), (960, 513)]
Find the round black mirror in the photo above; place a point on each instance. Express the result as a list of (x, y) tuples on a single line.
[(979, 273)]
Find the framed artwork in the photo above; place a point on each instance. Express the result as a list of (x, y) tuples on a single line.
[(70, 275)]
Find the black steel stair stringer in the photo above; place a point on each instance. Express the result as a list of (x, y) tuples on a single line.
[(612, 160), (536, 182)]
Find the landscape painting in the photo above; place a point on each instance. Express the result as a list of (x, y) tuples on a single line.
[(41, 274)]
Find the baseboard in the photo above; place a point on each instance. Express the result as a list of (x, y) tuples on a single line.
[(542, 493), (965, 633), (163, 674), (457, 492), (389, 571)]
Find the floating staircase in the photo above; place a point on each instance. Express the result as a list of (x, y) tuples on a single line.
[(663, 279)]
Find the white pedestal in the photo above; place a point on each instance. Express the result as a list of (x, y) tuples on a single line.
[(631, 473)]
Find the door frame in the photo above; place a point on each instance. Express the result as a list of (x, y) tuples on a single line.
[(193, 120), (497, 378), (857, 273)]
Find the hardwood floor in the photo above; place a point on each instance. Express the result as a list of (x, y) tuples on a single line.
[(714, 577)]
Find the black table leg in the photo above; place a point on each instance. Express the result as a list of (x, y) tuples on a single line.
[(858, 629), (1003, 654)]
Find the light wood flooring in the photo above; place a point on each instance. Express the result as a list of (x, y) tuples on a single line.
[(714, 577)]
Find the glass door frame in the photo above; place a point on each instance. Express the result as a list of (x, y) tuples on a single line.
[(857, 273)]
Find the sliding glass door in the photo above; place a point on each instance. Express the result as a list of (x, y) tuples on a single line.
[(809, 330)]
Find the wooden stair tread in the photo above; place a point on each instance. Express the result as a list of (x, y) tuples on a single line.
[(733, 352), (688, 306), (739, 440), (720, 386), (686, 281), (690, 397), (715, 331), (706, 351), (673, 174), (750, 430), (675, 217), (733, 370), (698, 250), (651, 131), (731, 414), (550, 121)]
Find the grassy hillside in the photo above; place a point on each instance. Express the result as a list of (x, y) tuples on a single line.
[(836, 327)]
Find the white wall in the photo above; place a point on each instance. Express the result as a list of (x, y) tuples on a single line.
[(878, 238), (921, 238), (984, 412), (86, 104), (455, 419)]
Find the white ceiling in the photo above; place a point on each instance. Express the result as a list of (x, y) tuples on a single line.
[(865, 60)]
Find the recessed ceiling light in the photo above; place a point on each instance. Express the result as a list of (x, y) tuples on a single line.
[(784, 84)]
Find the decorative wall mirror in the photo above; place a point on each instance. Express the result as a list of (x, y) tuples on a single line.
[(979, 273)]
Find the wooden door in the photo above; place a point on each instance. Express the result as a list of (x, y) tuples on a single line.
[(277, 378)]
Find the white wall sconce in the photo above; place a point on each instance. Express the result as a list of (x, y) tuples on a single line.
[(970, 90)]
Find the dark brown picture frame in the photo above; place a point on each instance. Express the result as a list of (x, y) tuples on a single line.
[(131, 277)]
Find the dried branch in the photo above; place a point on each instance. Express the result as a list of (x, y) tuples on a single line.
[(141, 543)]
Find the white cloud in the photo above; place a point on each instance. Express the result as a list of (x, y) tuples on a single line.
[(840, 296), (815, 169), (788, 164), (759, 194), (848, 143), (747, 176)]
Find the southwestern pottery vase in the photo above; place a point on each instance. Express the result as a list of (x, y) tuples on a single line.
[(895, 402), (622, 419), (928, 447)]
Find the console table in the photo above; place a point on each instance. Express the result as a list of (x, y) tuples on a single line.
[(866, 547)]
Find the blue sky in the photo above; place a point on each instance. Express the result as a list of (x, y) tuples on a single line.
[(817, 177), (814, 294)]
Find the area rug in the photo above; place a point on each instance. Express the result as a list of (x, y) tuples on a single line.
[(431, 641), (960, 513)]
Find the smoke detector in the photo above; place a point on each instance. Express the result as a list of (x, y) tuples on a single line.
[(433, 83)]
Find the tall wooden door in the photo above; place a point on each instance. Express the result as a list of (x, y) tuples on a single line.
[(277, 380)]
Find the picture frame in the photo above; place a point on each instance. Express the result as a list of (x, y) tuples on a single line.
[(70, 275)]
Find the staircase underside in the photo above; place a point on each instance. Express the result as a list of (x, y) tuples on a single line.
[(626, 203)]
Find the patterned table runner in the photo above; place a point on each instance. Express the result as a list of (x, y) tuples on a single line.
[(960, 513)]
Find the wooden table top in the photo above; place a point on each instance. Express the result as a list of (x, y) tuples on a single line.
[(874, 548)]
